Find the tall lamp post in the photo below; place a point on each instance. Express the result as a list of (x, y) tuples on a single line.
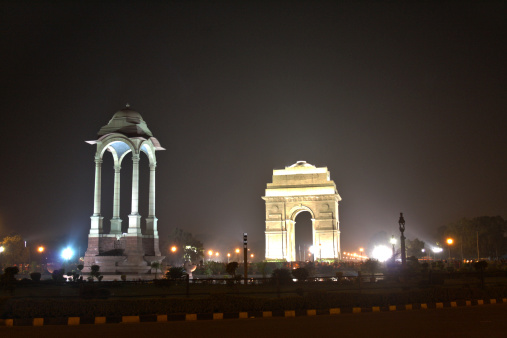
[(401, 223), (361, 250), (449, 243), (393, 242), (2, 249), (40, 249)]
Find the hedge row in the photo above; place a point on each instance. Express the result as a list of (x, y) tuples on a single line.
[(25, 308)]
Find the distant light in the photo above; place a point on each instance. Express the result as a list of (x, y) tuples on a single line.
[(210, 252), (423, 250), (449, 241), (40, 249), (173, 249), (237, 250), (393, 240), (252, 255), (228, 255), (437, 249), (217, 254), (67, 253), (361, 249), (381, 253), (2, 249), (312, 249)]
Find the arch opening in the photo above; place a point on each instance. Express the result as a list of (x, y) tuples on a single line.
[(303, 229)]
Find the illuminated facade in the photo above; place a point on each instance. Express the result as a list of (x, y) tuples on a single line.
[(301, 187), (125, 133)]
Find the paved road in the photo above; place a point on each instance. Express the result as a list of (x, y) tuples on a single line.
[(477, 321)]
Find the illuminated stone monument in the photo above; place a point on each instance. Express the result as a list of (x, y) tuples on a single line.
[(301, 187), (134, 251)]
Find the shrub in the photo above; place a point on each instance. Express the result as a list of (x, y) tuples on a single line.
[(231, 268), (371, 265), (95, 272), (301, 274), (176, 272), (57, 275), (35, 276), (481, 265), (281, 276)]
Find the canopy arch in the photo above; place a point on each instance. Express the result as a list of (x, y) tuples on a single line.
[(125, 133)]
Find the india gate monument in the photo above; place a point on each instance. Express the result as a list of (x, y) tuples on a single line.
[(295, 189), (134, 251)]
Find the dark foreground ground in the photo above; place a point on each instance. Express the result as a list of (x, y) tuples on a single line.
[(475, 321)]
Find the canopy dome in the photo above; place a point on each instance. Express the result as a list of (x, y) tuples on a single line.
[(127, 122)]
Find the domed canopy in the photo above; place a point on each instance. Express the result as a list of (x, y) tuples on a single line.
[(127, 122)]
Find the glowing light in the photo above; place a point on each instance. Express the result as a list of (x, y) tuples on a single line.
[(67, 253), (361, 249), (173, 249), (311, 249), (217, 254), (210, 252), (252, 255), (382, 253), (228, 255), (437, 249), (2, 249), (393, 240), (449, 241), (237, 251)]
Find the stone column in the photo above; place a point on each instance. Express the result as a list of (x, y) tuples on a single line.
[(134, 217), (152, 189), (96, 218), (116, 220), (151, 220), (152, 246), (98, 184)]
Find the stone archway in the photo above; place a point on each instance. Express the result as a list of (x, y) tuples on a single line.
[(301, 187)]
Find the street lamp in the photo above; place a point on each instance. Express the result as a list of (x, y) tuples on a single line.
[(210, 253), (174, 249), (361, 253), (312, 251), (449, 243), (40, 249), (228, 257), (401, 223), (2, 249)]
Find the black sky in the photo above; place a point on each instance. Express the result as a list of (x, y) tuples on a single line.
[(404, 102)]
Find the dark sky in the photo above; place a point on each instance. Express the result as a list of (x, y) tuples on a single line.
[(404, 102)]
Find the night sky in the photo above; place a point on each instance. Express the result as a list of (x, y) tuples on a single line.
[(405, 103)]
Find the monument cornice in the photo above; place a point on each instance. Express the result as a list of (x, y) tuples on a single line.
[(300, 198)]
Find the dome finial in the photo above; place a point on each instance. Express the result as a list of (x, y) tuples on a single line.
[(127, 105)]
